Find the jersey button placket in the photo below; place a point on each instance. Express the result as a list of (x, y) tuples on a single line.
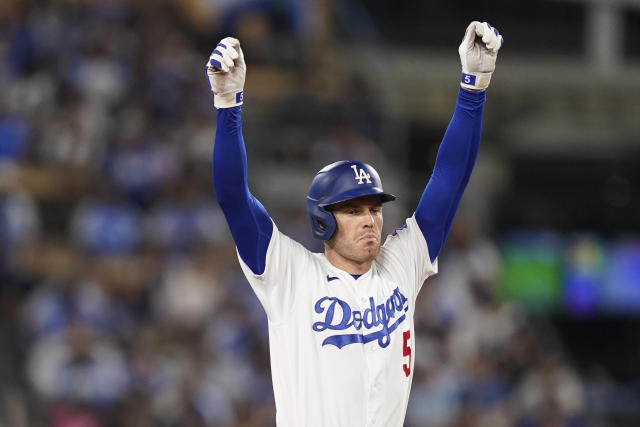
[(377, 367), (374, 390)]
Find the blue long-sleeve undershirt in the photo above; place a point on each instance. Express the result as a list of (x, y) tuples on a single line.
[(456, 157), (251, 226)]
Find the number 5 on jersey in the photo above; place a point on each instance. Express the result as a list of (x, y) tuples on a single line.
[(406, 351)]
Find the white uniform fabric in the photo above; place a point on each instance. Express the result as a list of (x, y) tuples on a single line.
[(337, 344)]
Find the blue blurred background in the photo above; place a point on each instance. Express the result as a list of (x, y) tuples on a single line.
[(122, 303)]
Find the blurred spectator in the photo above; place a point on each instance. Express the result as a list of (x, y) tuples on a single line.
[(169, 70), (102, 226), (551, 394), (98, 77), (141, 167), (196, 142), (189, 293), (469, 268), (14, 137), (185, 219), (74, 137), (68, 415), (78, 366), (437, 386), (20, 222), (484, 392)]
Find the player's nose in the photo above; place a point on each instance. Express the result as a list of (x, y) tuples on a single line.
[(369, 220)]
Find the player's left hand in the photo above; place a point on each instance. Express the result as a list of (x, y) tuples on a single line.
[(478, 52)]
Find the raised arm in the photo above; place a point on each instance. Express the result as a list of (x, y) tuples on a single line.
[(459, 148), (250, 225)]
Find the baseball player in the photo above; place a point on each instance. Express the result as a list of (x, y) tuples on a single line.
[(341, 322)]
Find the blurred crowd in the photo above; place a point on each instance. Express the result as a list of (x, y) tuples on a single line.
[(122, 303)]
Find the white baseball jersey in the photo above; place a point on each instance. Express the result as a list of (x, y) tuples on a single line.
[(342, 350)]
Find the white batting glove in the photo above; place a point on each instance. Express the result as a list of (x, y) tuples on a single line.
[(478, 52), (226, 72)]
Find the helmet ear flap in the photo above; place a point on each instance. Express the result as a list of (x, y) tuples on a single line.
[(323, 224)]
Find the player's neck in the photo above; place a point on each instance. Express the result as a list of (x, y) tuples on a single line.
[(345, 264)]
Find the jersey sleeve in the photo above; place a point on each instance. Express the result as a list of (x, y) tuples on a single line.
[(286, 264), (406, 251)]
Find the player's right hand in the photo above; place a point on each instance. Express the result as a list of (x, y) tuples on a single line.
[(226, 72), (478, 52)]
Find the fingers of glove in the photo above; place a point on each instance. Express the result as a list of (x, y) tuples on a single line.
[(228, 42), (487, 33), (217, 63), (217, 66), (223, 56), (232, 53), (227, 50), (491, 43), (235, 51), (495, 44), (470, 35), (480, 28), (220, 62), (491, 37), (230, 46)]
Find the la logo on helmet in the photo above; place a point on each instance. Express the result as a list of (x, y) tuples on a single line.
[(361, 175)]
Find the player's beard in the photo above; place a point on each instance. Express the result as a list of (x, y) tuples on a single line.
[(370, 252)]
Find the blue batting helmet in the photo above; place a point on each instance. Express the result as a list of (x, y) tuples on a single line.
[(338, 182)]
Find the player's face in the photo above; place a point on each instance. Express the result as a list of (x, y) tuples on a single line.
[(359, 229)]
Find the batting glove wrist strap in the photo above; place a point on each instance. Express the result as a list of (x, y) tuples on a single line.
[(228, 100), (475, 81), (478, 52)]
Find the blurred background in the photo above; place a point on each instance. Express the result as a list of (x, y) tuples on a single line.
[(122, 303)]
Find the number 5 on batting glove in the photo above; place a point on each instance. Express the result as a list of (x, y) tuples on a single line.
[(478, 52), (226, 72)]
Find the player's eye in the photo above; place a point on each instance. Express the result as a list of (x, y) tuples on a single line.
[(352, 211)]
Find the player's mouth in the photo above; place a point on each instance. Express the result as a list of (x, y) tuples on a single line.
[(369, 237)]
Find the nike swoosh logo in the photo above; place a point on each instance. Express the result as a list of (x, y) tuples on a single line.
[(330, 278)]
